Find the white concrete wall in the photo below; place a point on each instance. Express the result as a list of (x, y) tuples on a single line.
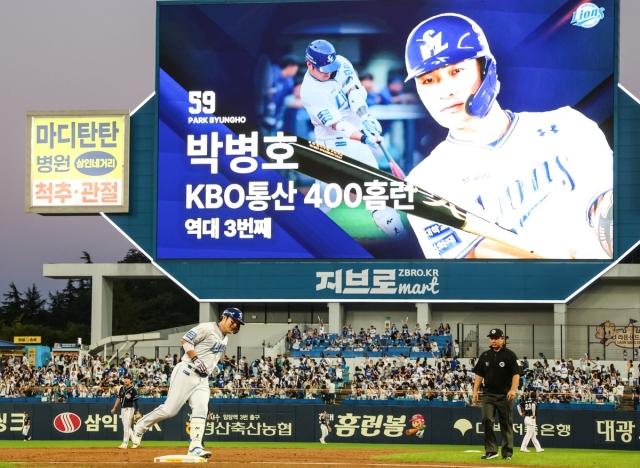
[(492, 319), (617, 302), (364, 319)]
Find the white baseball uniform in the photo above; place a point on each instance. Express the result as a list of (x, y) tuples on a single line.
[(538, 180), (210, 345), (324, 428), (528, 409), (327, 103)]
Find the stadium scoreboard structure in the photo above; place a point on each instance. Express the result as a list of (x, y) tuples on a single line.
[(216, 201)]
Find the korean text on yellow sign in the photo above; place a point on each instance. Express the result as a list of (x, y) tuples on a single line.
[(78, 161), (27, 339)]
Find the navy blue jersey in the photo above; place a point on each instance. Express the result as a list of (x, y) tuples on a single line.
[(127, 396), (599, 390), (528, 407)]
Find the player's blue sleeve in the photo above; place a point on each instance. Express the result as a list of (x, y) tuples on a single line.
[(190, 336)]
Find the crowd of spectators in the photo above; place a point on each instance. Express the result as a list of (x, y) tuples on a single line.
[(384, 378), (64, 376), (94, 377), (447, 380), (371, 341), (589, 382), (399, 378)]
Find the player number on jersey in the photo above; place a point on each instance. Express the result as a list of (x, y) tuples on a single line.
[(203, 101)]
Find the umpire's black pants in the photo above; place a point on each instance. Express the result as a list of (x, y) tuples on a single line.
[(491, 403)]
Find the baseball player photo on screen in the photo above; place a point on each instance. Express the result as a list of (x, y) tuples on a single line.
[(342, 130), (547, 176)]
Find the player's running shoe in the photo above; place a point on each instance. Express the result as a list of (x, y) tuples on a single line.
[(489, 456), (136, 437), (524, 450), (123, 445), (541, 450), (199, 452)]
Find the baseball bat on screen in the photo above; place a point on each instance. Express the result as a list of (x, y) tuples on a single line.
[(329, 166), (395, 169)]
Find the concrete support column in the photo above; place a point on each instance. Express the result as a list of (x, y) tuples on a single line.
[(101, 307), (336, 317), (208, 312), (424, 315), (559, 329)]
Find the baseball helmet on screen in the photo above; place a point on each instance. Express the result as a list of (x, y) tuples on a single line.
[(235, 314), (451, 38), (322, 55), (417, 417)]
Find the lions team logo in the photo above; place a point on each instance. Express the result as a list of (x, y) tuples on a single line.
[(587, 15), (501, 364), (432, 44)]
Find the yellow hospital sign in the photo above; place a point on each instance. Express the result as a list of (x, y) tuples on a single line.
[(77, 162), (27, 339)]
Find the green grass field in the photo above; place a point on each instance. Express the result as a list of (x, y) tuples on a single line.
[(454, 454), (357, 222)]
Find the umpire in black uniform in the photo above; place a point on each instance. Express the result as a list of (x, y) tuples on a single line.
[(498, 366)]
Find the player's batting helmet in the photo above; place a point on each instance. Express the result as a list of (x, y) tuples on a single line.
[(322, 55), (235, 314), (451, 38)]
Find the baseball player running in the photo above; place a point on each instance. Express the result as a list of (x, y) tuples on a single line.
[(204, 345), (324, 426), (527, 409), (26, 426), (336, 103), (128, 398), (547, 176)]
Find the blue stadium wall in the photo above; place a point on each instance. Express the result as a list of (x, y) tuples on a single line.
[(600, 429)]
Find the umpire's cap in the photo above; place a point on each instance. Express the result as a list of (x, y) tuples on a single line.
[(495, 333), (235, 314)]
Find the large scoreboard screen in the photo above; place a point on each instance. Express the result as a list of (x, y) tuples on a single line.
[(343, 130)]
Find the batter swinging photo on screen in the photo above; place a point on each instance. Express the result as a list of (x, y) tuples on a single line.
[(336, 102), (546, 176)]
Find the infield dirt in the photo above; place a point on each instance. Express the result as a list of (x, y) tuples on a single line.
[(221, 457)]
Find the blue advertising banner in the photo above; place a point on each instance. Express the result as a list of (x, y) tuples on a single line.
[(420, 424)]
